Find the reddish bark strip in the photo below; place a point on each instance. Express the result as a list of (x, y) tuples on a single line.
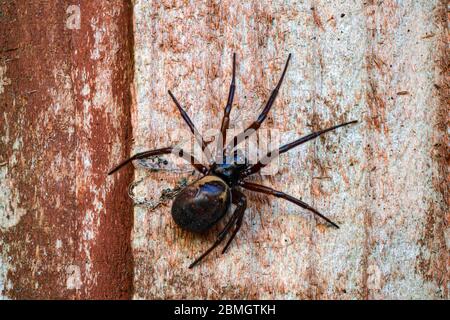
[(65, 103)]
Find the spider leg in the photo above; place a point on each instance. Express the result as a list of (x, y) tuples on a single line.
[(226, 116), (151, 153), (192, 127), (238, 212), (255, 125), (266, 160), (279, 194)]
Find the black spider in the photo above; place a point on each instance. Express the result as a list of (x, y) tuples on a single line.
[(200, 205)]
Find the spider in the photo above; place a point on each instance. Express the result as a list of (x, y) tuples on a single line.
[(200, 205)]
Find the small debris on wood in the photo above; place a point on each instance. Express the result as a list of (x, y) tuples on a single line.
[(166, 194), (427, 36)]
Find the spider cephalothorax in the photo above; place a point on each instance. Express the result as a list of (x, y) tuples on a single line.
[(200, 205)]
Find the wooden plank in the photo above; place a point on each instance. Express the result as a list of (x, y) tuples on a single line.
[(65, 74), (65, 71), (385, 180)]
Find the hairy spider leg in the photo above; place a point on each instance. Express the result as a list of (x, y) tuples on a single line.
[(266, 160), (151, 153), (263, 115), (263, 189), (226, 115), (192, 127), (238, 212)]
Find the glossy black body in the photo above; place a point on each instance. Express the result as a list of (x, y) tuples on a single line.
[(203, 203), (231, 170)]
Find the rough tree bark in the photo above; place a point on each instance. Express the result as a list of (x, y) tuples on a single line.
[(67, 81)]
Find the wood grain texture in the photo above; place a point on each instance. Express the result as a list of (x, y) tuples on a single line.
[(65, 71), (385, 180), (74, 101)]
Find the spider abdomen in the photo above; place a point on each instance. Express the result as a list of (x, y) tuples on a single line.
[(201, 204)]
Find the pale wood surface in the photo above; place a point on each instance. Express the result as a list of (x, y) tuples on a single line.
[(383, 180)]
